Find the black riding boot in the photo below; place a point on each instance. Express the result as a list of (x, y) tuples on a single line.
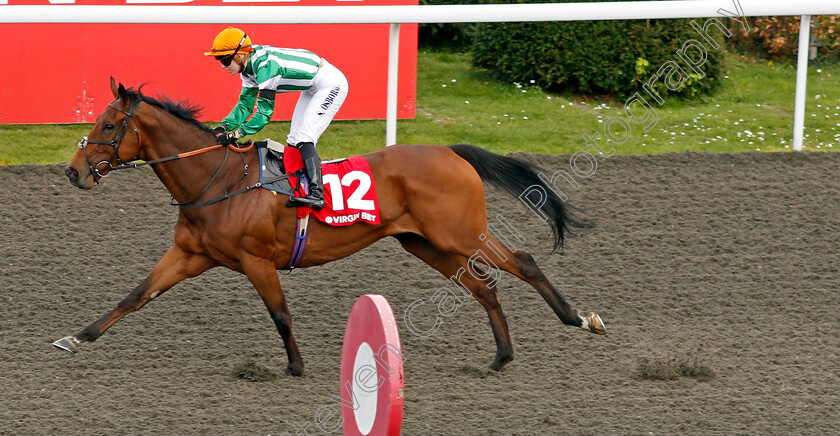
[(312, 162)]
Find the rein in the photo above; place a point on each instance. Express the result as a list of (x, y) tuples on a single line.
[(189, 204)]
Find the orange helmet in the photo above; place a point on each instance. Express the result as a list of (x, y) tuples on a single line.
[(229, 42)]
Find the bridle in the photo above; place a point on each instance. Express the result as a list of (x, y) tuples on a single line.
[(114, 143), (117, 141)]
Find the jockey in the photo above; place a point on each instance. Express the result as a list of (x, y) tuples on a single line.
[(267, 70)]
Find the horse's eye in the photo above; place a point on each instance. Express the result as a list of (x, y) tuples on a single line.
[(109, 126)]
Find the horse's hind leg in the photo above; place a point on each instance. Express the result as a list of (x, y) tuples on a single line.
[(449, 265), (522, 265)]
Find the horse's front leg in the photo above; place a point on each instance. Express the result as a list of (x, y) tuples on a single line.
[(263, 275), (175, 266)]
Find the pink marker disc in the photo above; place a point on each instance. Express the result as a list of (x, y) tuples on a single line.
[(372, 379)]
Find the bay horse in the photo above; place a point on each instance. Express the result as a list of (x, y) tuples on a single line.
[(431, 199)]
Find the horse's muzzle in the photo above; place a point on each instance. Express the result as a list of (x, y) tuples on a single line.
[(73, 175)]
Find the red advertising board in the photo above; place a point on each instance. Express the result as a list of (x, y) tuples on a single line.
[(59, 73)]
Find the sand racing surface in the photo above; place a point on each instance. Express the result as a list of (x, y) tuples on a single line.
[(716, 276)]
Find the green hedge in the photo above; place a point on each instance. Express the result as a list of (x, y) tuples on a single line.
[(778, 37), (449, 36), (591, 57)]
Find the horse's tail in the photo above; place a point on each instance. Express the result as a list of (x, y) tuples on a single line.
[(517, 176)]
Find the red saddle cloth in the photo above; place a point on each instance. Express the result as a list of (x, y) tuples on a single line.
[(349, 190)]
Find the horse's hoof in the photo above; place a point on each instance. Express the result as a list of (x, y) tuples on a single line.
[(68, 344), (500, 363), (595, 324), (297, 372)]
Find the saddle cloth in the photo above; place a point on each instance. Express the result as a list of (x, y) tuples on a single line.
[(349, 188)]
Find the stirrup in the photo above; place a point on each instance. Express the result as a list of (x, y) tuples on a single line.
[(316, 203)]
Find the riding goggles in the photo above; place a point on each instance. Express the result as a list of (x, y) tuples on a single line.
[(227, 59)]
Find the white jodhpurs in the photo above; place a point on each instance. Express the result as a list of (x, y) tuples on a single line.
[(317, 106)]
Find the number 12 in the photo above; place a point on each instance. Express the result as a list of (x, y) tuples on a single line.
[(355, 201)]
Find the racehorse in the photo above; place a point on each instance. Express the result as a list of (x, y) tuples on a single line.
[(431, 199)]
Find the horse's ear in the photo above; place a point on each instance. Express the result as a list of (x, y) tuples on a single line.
[(118, 91), (123, 94)]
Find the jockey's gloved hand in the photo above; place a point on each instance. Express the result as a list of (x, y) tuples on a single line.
[(218, 130), (226, 138)]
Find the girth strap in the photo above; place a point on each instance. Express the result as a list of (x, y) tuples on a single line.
[(301, 234)]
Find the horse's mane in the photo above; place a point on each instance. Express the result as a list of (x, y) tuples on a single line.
[(185, 110)]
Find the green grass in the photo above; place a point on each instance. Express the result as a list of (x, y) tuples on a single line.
[(459, 104)]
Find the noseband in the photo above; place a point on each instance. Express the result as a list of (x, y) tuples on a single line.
[(189, 204), (114, 143)]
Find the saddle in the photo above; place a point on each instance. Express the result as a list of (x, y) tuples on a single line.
[(349, 188), (356, 191), (272, 168), (273, 177)]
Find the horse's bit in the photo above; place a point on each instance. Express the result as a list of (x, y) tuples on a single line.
[(114, 143), (117, 141)]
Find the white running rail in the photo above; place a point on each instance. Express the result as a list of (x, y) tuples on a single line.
[(394, 15)]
